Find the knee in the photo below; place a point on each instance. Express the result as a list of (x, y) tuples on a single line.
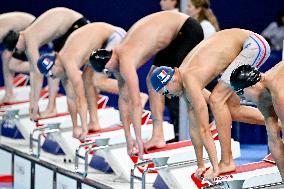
[(98, 82), (6, 55)]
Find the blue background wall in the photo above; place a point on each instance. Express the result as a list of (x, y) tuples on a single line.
[(254, 15)]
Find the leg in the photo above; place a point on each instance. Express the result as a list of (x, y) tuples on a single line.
[(53, 86), (277, 145), (8, 77), (157, 102), (222, 115), (103, 83), (242, 113), (91, 96), (19, 66)]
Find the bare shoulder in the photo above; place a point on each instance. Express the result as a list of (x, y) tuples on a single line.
[(167, 16), (60, 9), (101, 25), (62, 12)]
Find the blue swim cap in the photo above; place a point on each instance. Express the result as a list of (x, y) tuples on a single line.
[(161, 77), (45, 63)]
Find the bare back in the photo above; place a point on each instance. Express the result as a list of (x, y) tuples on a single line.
[(81, 43), (151, 34), (51, 25), (15, 21), (214, 55)]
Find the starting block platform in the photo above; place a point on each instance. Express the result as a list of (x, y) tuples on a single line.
[(20, 167), (108, 143), (20, 83), (15, 122), (262, 174), (175, 163)]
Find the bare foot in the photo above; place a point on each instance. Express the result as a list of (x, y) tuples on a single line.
[(93, 127), (210, 174), (144, 98), (77, 132), (225, 168), (84, 135), (198, 173), (48, 113), (7, 99), (155, 142)]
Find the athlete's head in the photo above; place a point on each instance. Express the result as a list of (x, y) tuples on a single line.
[(244, 76), (99, 59)]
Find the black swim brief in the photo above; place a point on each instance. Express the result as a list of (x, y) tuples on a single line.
[(190, 34), (59, 43)]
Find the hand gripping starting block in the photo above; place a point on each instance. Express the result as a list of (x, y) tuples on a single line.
[(58, 131), (262, 174), (15, 121), (21, 127), (175, 163), (22, 103), (110, 145)]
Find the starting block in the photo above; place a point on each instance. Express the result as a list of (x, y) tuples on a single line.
[(16, 123), (113, 149), (107, 143), (21, 84), (176, 164), (262, 174)]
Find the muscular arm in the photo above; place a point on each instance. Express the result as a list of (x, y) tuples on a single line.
[(123, 107), (195, 136), (91, 96), (71, 101), (74, 75), (196, 98), (130, 77), (35, 76)]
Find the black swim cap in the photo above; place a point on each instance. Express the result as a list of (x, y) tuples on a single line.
[(10, 40), (244, 76), (99, 59)]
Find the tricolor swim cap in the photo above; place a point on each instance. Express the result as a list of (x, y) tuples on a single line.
[(161, 77), (45, 63)]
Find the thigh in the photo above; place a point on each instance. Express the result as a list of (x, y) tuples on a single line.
[(221, 92)]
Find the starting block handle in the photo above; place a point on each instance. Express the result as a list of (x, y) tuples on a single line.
[(11, 114), (38, 140), (54, 126), (133, 176)]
